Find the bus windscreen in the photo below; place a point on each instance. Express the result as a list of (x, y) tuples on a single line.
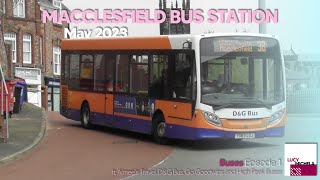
[(241, 72)]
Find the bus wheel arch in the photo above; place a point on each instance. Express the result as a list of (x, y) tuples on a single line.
[(85, 115), (158, 131)]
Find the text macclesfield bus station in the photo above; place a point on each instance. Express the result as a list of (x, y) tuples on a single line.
[(140, 16)]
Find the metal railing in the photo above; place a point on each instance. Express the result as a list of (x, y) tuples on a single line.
[(305, 101), (4, 87)]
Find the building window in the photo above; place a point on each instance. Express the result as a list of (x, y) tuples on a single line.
[(41, 53), (57, 3), (56, 60), (27, 49), (11, 38), (19, 8)]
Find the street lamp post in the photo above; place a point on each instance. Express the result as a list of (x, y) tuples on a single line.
[(262, 26)]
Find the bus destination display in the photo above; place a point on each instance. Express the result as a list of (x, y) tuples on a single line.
[(232, 45)]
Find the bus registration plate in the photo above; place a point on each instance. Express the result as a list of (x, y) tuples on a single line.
[(245, 136)]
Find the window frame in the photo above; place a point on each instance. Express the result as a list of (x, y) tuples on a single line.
[(56, 50), (12, 36), (16, 8), (27, 38)]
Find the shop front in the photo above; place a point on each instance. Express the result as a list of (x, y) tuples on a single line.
[(32, 77), (53, 93)]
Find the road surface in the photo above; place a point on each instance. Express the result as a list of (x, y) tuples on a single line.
[(70, 152), (203, 158)]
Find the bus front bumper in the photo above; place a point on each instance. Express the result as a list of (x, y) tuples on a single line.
[(187, 133)]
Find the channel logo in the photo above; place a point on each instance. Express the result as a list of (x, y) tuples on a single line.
[(301, 159)]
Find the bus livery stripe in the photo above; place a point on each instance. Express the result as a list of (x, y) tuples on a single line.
[(154, 43), (133, 116)]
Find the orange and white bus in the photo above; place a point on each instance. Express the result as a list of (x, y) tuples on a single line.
[(183, 87)]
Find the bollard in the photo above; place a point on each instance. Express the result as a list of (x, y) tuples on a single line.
[(4, 135), (1, 121), (3, 131)]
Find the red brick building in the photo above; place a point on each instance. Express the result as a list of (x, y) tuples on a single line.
[(35, 45)]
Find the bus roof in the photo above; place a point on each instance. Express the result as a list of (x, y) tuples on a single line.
[(143, 43)]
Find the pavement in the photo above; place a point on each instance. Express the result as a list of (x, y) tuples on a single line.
[(26, 128)]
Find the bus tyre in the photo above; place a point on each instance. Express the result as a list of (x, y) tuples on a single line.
[(85, 116), (159, 130)]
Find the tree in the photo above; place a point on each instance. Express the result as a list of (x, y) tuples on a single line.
[(3, 53)]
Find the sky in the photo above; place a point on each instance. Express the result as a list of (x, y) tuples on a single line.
[(298, 27)]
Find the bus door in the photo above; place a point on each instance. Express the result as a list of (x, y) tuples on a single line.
[(181, 86), (183, 83)]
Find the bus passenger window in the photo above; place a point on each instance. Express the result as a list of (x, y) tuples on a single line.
[(86, 67), (110, 60), (74, 73), (65, 69), (86, 73), (139, 73), (122, 69), (99, 73), (159, 77)]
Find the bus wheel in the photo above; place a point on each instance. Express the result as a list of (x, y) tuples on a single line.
[(159, 129), (85, 116)]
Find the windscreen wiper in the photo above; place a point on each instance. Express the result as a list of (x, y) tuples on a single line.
[(223, 106), (235, 104), (260, 101)]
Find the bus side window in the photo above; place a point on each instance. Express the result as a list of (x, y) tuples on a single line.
[(110, 60), (99, 73), (159, 77), (65, 69), (139, 73), (74, 81), (122, 77), (86, 67), (86, 73)]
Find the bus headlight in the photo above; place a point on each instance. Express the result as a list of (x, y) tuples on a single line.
[(276, 117), (212, 118)]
